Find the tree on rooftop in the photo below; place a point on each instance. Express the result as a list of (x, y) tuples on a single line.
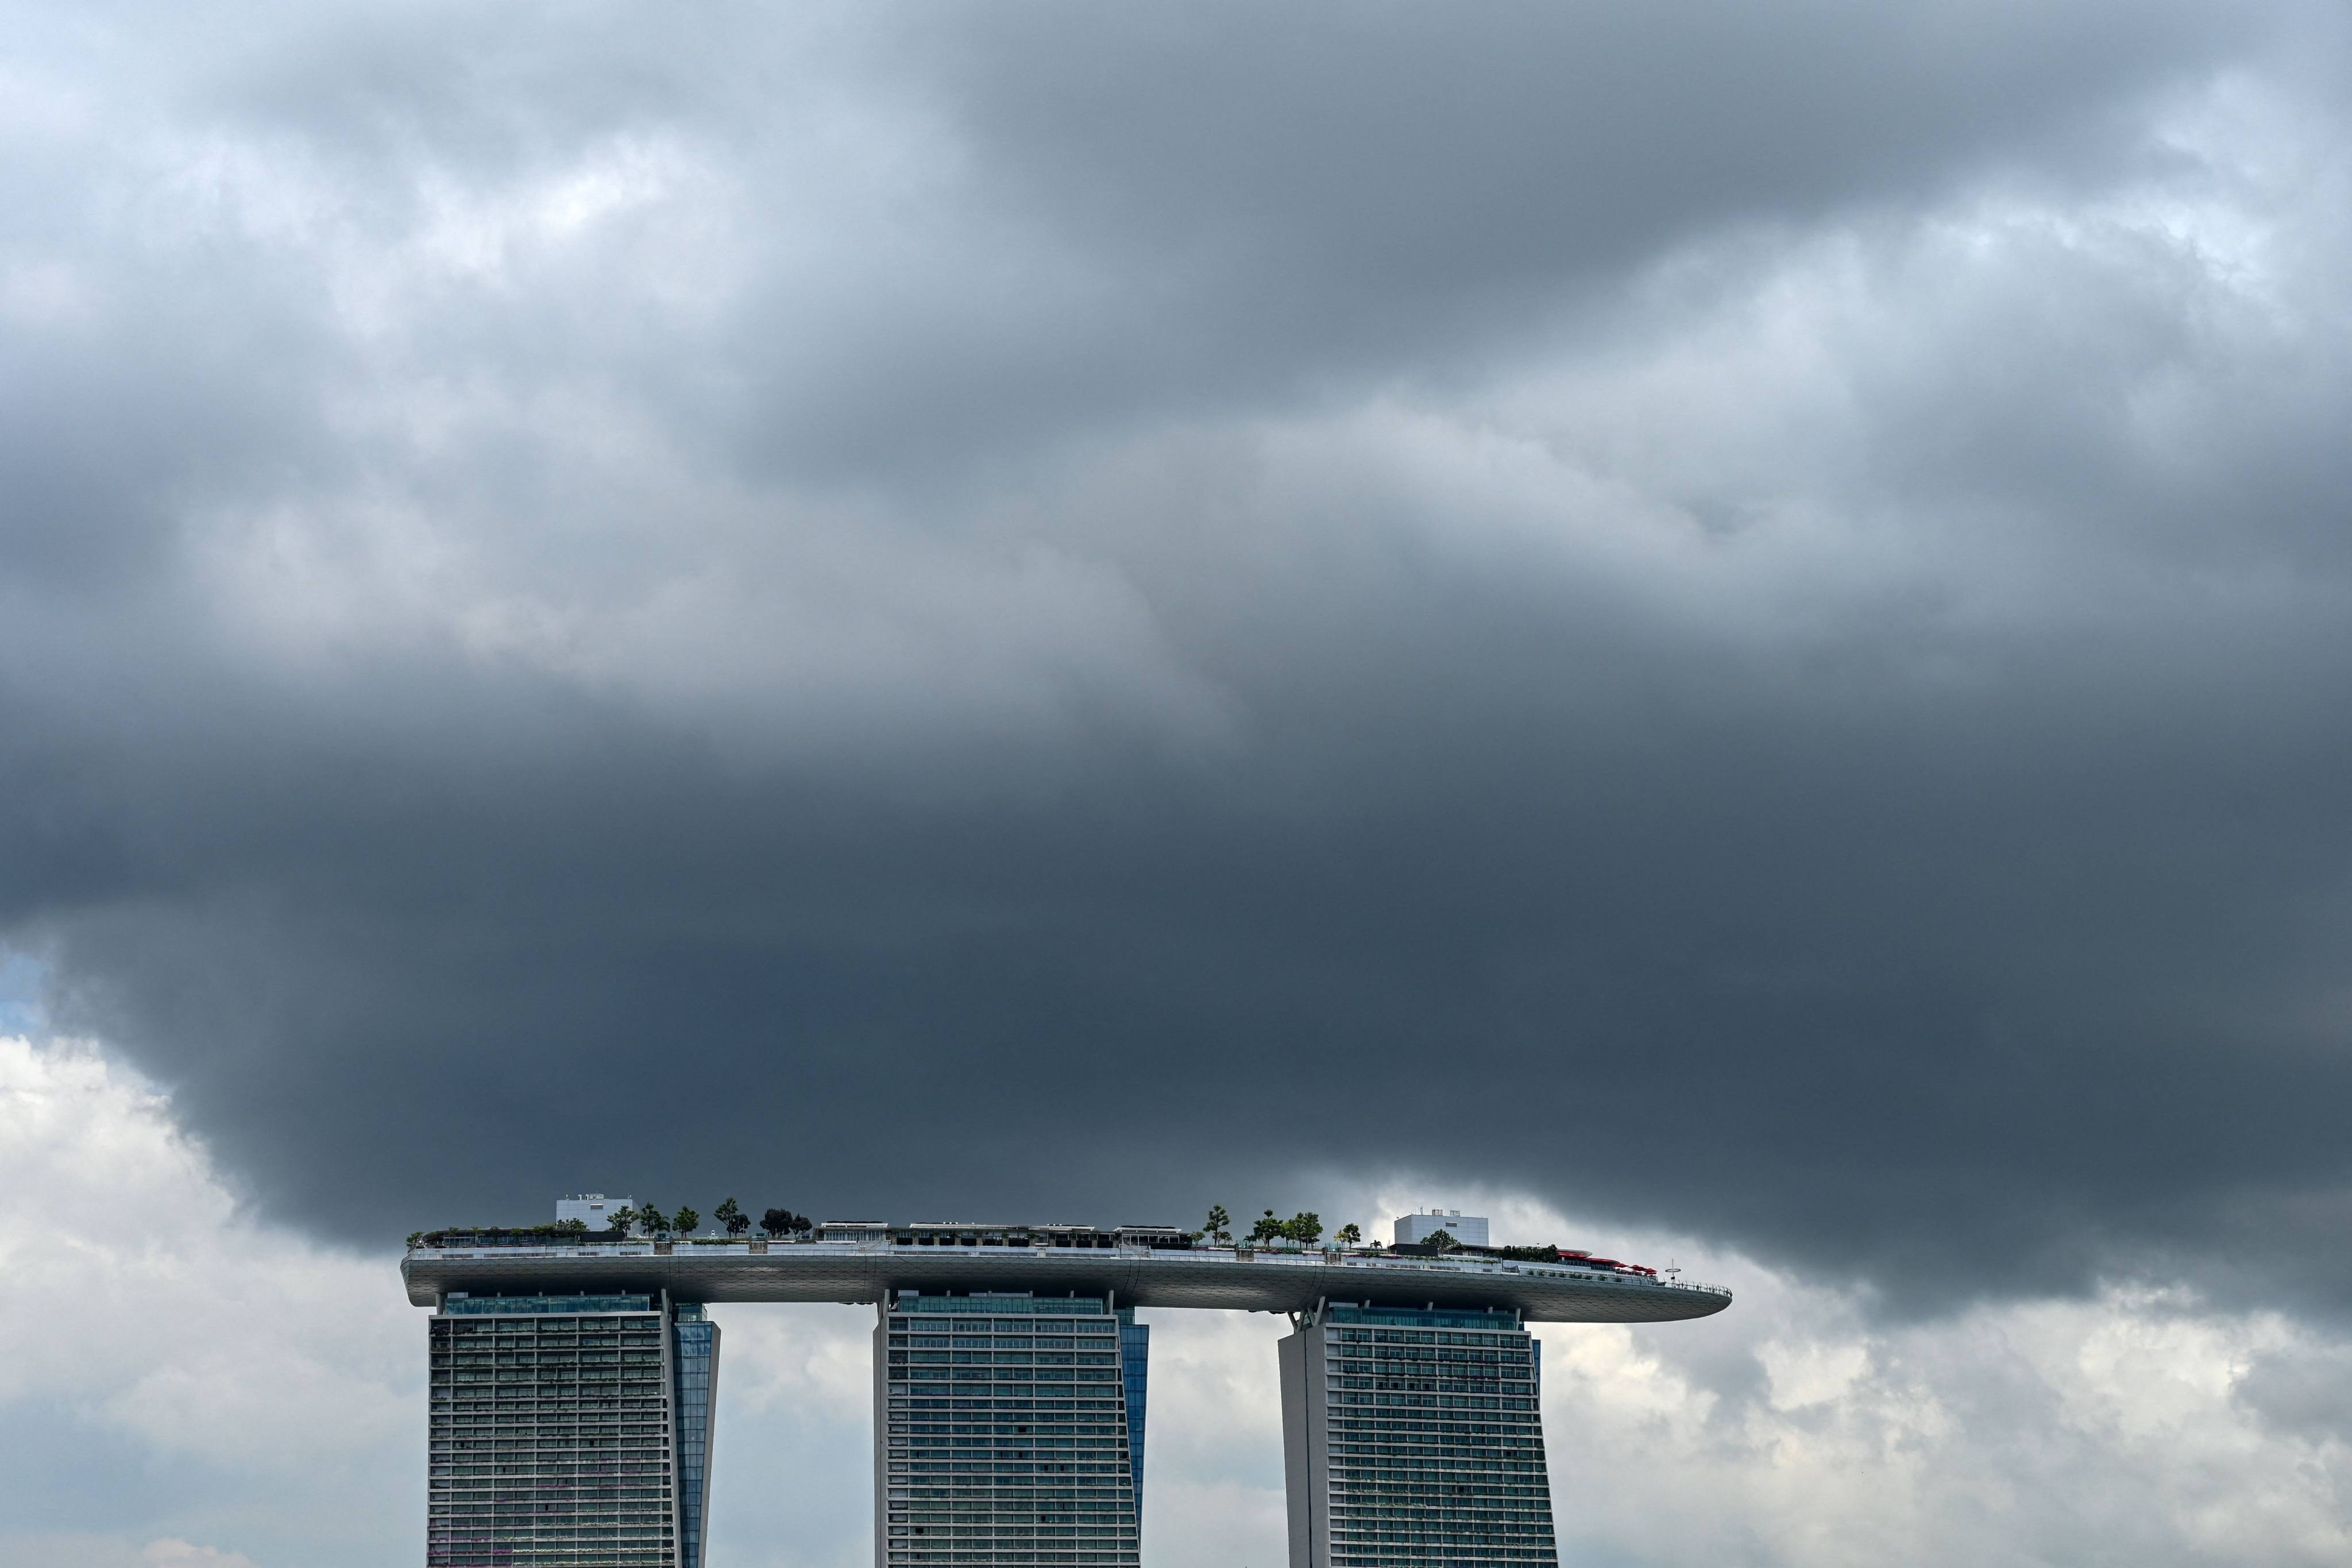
[(685, 1222), (1443, 1240), (1350, 1235), (652, 1221), (775, 1222), (1220, 1225), (622, 1218), (1305, 1227), (1267, 1229), (731, 1217)]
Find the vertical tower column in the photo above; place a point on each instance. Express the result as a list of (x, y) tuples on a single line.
[(1413, 1437), (1135, 1376), (694, 1382), (562, 1429), (1006, 1430)]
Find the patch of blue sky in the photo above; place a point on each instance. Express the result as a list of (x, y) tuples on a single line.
[(24, 980)]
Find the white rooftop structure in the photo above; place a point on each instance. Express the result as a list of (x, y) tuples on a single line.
[(1469, 1230), (593, 1210)]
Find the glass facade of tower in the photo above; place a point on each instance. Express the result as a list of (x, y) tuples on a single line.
[(1135, 1372), (570, 1430), (1005, 1430), (1413, 1439), (694, 1374)]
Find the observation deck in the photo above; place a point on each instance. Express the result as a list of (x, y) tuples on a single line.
[(1272, 1279)]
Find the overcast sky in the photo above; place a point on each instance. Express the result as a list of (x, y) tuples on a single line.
[(1703, 626)]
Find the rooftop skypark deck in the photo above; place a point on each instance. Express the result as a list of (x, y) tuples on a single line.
[(1140, 1266)]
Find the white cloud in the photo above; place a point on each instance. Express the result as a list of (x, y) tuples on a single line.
[(279, 1381), (181, 1554), (191, 1328), (1213, 1453), (79, 1550)]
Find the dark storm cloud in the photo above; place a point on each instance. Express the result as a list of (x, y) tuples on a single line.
[(1047, 610), (1232, 203)]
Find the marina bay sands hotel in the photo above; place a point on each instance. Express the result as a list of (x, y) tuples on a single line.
[(574, 1384)]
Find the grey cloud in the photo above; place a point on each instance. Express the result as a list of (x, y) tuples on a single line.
[(2299, 1390), (1267, 206), (1050, 610)]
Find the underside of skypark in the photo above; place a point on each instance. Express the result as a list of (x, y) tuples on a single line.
[(574, 1392)]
